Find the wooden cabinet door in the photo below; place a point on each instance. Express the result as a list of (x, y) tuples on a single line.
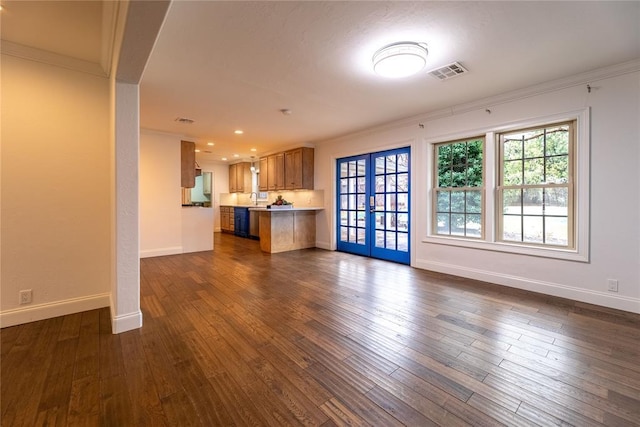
[(263, 183), (293, 169), (187, 164), (233, 179), (275, 172)]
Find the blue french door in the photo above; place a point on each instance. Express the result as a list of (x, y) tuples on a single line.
[(373, 204)]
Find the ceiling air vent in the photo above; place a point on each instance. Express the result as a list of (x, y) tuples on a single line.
[(184, 120), (448, 71)]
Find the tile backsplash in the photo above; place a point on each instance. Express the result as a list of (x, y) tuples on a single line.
[(303, 198)]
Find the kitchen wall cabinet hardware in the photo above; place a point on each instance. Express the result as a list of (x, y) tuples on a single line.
[(188, 164), (240, 178), (298, 169)]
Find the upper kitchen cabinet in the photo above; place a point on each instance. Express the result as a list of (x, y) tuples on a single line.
[(240, 178), (275, 172), (263, 182), (298, 169), (188, 164)]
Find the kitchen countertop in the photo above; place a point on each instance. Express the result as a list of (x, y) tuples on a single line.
[(294, 209)]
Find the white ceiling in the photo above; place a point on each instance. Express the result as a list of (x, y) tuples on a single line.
[(235, 65)]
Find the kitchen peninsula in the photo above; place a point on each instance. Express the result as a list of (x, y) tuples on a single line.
[(289, 229)]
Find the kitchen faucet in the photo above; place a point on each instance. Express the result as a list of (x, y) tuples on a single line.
[(251, 197)]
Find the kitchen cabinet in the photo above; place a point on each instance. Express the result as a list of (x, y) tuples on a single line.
[(298, 169), (187, 164), (227, 220), (275, 172), (241, 221), (263, 183), (240, 178)]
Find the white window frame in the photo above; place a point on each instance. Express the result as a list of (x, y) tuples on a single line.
[(581, 158)]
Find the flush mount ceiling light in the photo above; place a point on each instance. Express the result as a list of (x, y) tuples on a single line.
[(400, 59)]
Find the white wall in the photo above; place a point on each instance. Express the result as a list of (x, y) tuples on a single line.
[(55, 232), (160, 195), (220, 179), (615, 179)]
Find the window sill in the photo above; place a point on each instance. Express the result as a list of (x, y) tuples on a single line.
[(555, 253)]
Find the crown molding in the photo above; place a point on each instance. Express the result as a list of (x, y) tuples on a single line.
[(51, 58)]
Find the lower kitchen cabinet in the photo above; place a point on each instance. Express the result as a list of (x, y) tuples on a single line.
[(241, 216), (227, 219)]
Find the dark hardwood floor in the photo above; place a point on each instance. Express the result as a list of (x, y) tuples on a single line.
[(313, 337)]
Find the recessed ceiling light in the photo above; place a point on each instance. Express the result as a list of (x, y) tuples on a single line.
[(210, 143), (254, 149), (224, 158), (400, 59), (197, 150), (238, 132), (236, 155)]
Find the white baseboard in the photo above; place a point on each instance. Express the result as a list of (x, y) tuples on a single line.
[(148, 253), (324, 245), (18, 316), (555, 289), (125, 322)]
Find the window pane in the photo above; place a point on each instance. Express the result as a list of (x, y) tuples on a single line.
[(344, 236), (379, 165), (352, 168), (512, 149), (343, 217), (533, 171), (556, 231), (512, 201), (474, 225), (391, 182), (361, 185), (457, 224), (443, 224), (379, 221), (444, 179), (352, 185), (391, 202), (344, 186), (556, 201), (352, 218), (391, 164), (474, 202), (532, 201), (532, 229), (352, 201), (558, 141), (459, 175), (403, 242), (361, 236), (391, 221), (557, 171), (361, 219), (512, 228), (403, 182), (403, 202), (344, 169), (352, 234), (403, 162), (390, 240), (362, 166), (443, 201), (361, 200), (379, 202), (379, 239), (380, 184), (534, 147), (403, 222), (344, 202), (457, 201), (512, 172)]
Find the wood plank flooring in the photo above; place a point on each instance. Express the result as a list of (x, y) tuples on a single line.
[(319, 338)]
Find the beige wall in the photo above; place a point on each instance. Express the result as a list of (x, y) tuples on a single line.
[(55, 190)]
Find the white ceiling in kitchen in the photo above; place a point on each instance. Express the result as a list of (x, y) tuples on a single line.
[(236, 64)]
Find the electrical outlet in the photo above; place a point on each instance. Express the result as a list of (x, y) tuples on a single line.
[(25, 296), (612, 285)]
